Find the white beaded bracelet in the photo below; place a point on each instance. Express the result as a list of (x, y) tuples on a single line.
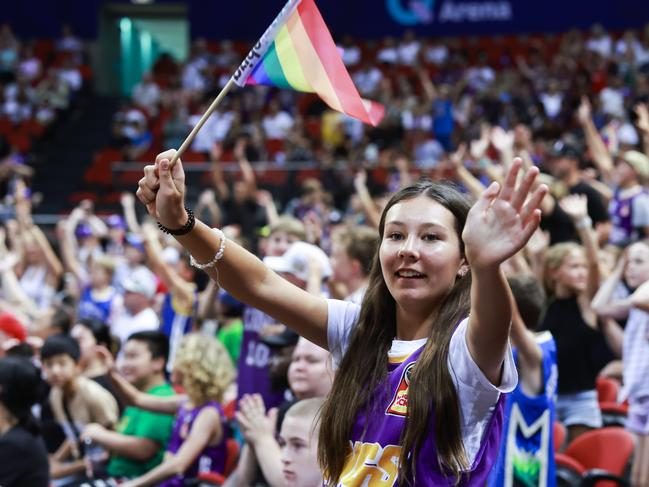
[(218, 256)]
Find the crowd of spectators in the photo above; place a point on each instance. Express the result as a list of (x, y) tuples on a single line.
[(145, 361)]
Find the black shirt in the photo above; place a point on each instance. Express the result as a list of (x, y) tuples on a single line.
[(23, 459), (559, 224), (577, 345)]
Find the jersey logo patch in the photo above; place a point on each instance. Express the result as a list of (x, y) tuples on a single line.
[(399, 404)]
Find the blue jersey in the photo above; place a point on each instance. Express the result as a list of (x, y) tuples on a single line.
[(91, 307), (527, 448), (176, 322)]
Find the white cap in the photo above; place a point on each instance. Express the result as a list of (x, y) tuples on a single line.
[(297, 258), (142, 281), (171, 255)]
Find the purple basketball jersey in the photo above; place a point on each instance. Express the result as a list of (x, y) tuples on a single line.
[(211, 459), (254, 359), (376, 435), (621, 211)]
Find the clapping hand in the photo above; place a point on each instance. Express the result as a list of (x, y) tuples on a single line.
[(254, 421)]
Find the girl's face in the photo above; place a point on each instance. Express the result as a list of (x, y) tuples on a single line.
[(299, 453), (636, 270), (33, 254), (623, 173), (310, 374), (573, 271), (279, 242), (86, 341), (420, 252), (99, 276)]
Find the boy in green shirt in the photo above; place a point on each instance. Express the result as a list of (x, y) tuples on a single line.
[(141, 437)]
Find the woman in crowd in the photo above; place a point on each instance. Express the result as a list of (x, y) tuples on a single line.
[(571, 276), (439, 260)]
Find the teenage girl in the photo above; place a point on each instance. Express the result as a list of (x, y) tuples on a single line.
[(436, 317)]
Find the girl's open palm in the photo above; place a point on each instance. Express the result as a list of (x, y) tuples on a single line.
[(501, 222)]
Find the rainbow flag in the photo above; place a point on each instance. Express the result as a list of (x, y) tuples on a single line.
[(297, 52)]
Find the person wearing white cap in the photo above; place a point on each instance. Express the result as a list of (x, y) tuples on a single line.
[(136, 314), (629, 207), (304, 265)]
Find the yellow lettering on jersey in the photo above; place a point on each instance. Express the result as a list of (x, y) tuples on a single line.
[(371, 466)]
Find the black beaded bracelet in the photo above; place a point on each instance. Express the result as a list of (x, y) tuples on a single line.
[(185, 229)]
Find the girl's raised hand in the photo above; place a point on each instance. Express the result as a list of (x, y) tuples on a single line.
[(502, 221), (162, 191)]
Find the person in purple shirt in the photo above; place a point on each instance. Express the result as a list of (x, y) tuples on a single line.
[(438, 261), (255, 357), (198, 439)]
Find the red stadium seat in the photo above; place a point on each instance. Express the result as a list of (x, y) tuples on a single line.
[(78, 196), (613, 413), (19, 140), (607, 389), (600, 457), (274, 147), (233, 448), (559, 436), (229, 409)]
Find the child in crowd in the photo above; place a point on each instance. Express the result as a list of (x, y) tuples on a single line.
[(75, 400), (409, 351), (351, 260), (140, 438), (255, 355), (24, 457), (98, 296), (633, 345), (198, 439), (310, 375), (89, 334), (527, 448), (571, 276), (298, 439)]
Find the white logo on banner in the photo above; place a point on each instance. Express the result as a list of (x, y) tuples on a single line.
[(414, 12)]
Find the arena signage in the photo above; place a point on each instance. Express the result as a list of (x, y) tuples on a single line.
[(417, 12)]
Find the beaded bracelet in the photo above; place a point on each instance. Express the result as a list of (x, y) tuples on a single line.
[(185, 229), (218, 256)]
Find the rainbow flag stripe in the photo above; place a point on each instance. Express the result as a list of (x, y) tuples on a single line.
[(304, 57)]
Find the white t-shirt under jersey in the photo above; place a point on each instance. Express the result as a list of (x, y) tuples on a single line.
[(477, 395)]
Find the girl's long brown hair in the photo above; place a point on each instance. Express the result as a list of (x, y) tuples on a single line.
[(364, 368)]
